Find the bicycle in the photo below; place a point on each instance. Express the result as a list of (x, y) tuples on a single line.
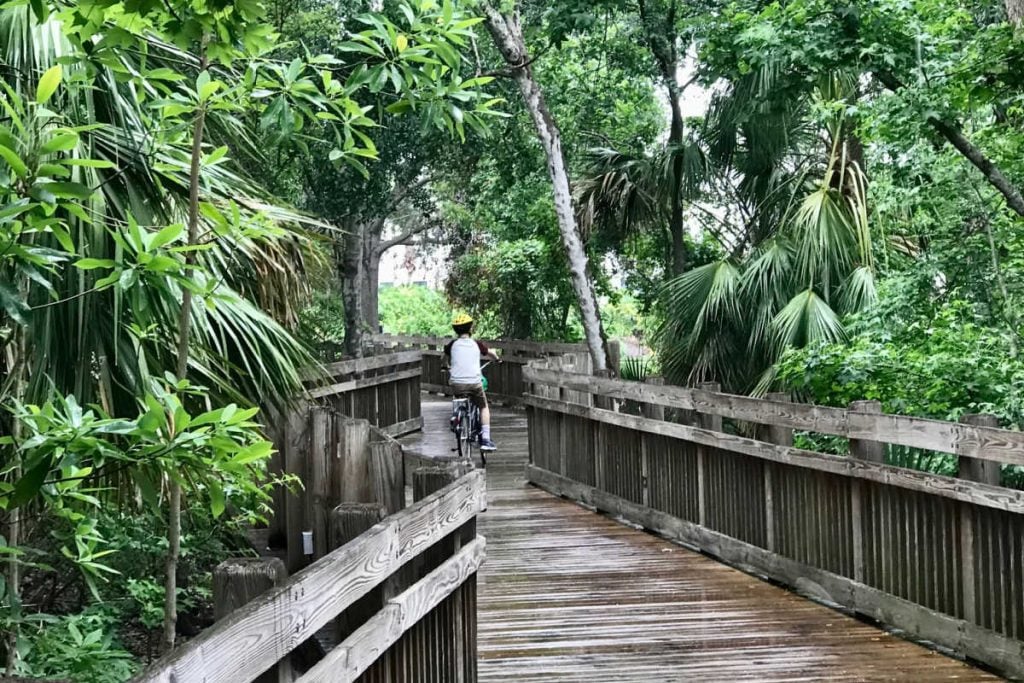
[(465, 424)]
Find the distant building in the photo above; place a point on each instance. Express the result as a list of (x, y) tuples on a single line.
[(414, 265)]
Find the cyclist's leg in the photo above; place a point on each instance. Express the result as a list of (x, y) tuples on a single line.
[(479, 399)]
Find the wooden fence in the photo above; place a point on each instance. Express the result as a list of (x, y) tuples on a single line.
[(505, 379), (338, 444), (383, 389), (939, 557), (400, 599)]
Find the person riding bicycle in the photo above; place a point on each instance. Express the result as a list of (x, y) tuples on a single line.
[(463, 356)]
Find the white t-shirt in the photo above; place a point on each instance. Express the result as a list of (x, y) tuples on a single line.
[(464, 356)]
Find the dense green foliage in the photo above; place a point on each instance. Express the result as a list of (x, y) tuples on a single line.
[(148, 282)]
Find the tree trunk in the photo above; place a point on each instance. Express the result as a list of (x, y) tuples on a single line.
[(184, 332), (16, 362), (664, 52), (370, 280), (1015, 12), (676, 224), (349, 262), (508, 38)]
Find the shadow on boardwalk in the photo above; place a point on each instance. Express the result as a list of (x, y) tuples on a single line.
[(570, 595)]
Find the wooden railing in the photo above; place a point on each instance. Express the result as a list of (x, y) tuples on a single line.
[(939, 557), (383, 389), (505, 380), (337, 443), (402, 595)]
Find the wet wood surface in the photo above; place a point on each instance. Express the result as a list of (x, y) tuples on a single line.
[(570, 595)]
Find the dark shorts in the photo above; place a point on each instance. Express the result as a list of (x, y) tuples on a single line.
[(474, 392)]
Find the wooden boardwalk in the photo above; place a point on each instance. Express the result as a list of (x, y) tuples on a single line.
[(570, 595)]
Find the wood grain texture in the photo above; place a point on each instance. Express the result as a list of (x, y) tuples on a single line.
[(918, 621), (255, 636), (362, 383), (360, 650), (365, 364), (956, 489), (387, 475), (567, 595), (986, 443)]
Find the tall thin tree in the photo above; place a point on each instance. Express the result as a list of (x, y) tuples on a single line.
[(507, 33)]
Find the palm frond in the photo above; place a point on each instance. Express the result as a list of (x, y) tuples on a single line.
[(620, 192), (859, 291), (100, 346), (806, 319)]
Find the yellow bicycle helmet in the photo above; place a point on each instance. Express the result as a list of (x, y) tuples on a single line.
[(461, 319)]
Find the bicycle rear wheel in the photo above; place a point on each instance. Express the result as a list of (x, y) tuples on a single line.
[(466, 449)]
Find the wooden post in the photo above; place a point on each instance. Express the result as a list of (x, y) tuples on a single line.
[(783, 436), (388, 475), (319, 495), (655, 412), (871, 451), (427, 480), (296, 435), (348, 521), (712, 423), (238, 581), (276, 528), (354, 454), (448, 633), (974, 469), (985, 472)]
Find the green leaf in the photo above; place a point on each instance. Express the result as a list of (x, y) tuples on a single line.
[(88, 163), (261, 450), (13, 304), (94, 263), (166, 236), (14, 161), (26, 488), (68, 190), (61, 142), (48, 83), (216, 499)]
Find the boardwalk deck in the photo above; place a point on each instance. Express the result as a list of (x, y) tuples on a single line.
[(570, 595)]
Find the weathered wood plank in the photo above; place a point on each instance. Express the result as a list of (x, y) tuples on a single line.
[(360, 650), (365, 364), (980, 494), (296, 444), (354, 481), (255, 636), (363, 383), (967, 638), (409, 426), (985, 443), (387, 475)]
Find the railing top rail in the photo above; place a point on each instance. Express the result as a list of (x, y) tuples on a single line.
[(503, 344), (986, 495), (985, 443), (251, 639), (365, 364)]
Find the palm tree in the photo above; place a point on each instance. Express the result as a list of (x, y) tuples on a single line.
[(809, 259), (102, 345), (791, 220)]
